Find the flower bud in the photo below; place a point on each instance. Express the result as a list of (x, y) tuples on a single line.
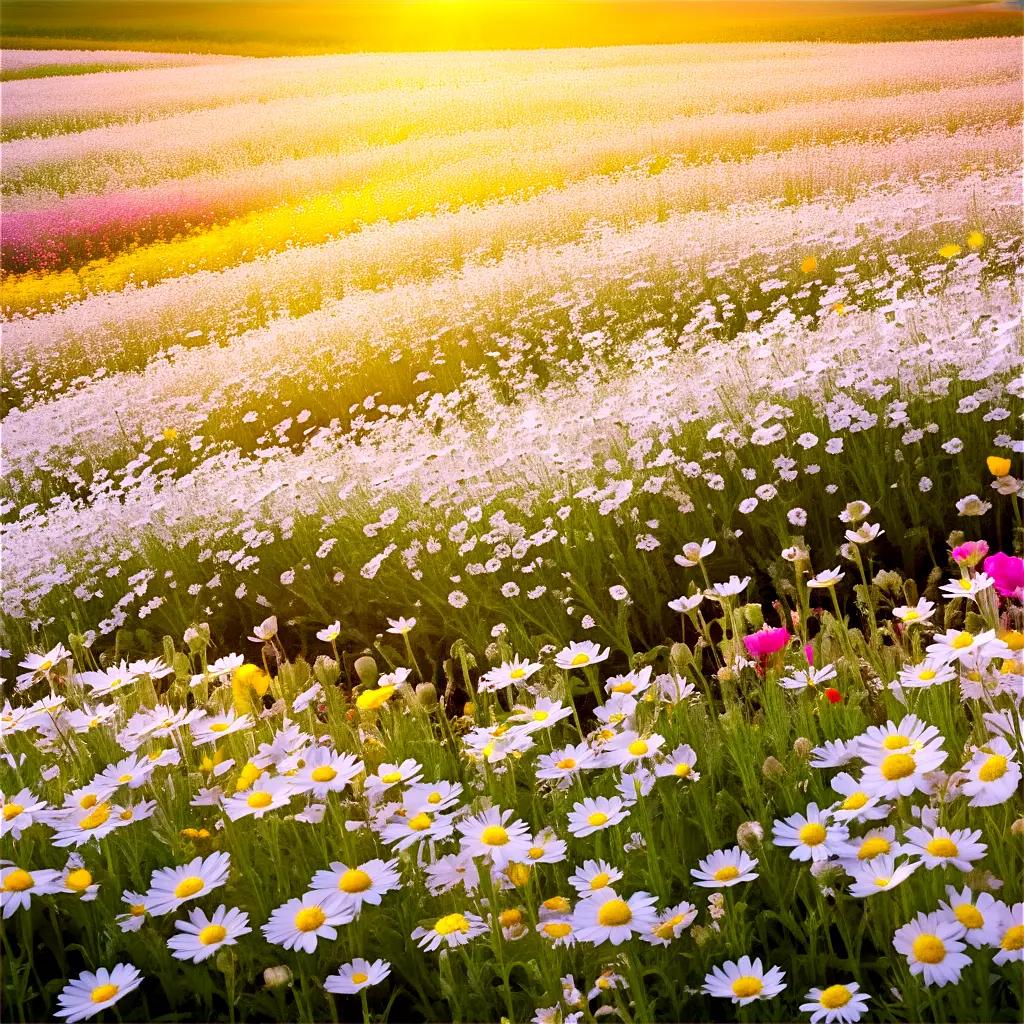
[(366, 669), (1017, 828), (275, 977), (772, 768), (426, 695), (749, 836), (326, 670), (802, 747)]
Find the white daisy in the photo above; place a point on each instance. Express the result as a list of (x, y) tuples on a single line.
[(856, 805), (679, 764), (321, 771), (978, 916), (992, 775), (18, 886), (169, 888), (366, 883), (879, 875), (1010, 936), (670, 924), (201, 936), (607, 917), (744, 981), (812, 837), (19, 812), (960, 848), (91, 992), (265, 795), (593, 876), (357, 975), (300, 923), (450, 930), (595, 813), (844, 1003), (580, 654), (724, 868), (932, 948)]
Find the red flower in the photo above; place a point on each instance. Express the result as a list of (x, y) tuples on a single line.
[(834, 696)]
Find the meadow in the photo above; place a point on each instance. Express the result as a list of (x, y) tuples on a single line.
[(528, 535)]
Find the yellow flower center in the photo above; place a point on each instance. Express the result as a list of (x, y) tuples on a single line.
[(969, 915), (941, 847), (882, 881), (420, 822), (536, 852), (682, 769), (259, 800), (726, 874), (127, 814), (994, 768), (614, 914), (79, 880), (358, 978), (559, 904), (898, 766), (1013, 939), (188, 887), (96, 817), (896, 742), (87, 801), (623, 688), (927, 674), (323, 774), (102, 993), (580, 659), (125, 778), (434, 798), (494, 835), (540, 716), (929, 949), (910, 614), (12, 811), (812, 834), (567, 763), (597, 818), (391, 777), (517, 673), (600, 880), (557, 929), (137, 909), (518, 874), (963, 640), (355, 880), (212, 934), (18, 881), (219, 726), (835, 996), (511, 917), (746, 986), (855, 801), (638, 748), (873, 847), (451, 923), (308, 919)]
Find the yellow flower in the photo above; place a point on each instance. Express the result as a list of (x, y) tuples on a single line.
[(248, 775), (248, 682), (975, 240), (809, 264), (947, 252), (372, 699), (997, 465), (170, 433)]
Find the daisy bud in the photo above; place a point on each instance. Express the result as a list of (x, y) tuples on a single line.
[(772, 768), (275, 977), (753, 615), (1017, 828), (701, 935), (749, 836), (326, 670), (802, 747), (725, 674), (426, 694), (366, 669)]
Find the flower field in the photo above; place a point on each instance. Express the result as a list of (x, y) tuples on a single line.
[(527, 536)]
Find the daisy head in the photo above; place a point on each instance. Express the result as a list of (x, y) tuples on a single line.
[(842, 1002), (169, 888), (933, 950), (449, 930), (724, 868), (92, 992), (744, 981), (202, 935), (357, 975), (301, 923), (607, 917)]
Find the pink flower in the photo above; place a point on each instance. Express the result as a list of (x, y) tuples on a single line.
[(766, 642), (970, 553), (1007, 571), (809, 653)]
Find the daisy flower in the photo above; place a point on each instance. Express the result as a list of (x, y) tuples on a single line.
[(216, 727), (92, 992), (724, 868), (201, 936), (833, 754), (557, 930), (492, 835), (322, 771), (546, 848), (879, 875), (932, 948), (629, 748), (431, 796), (517, 671), (169, 888), (924, 674), (593, 876), (812, 837), (130, 771), (388, 775), (607, 917), (580, 654), (136, 916), (19, 812), (632, 684), (671, 924), (857, 805), (909, 735), (595, 813), (941, 847), (357, 975), (329, 633), (450, 930), (694, 552), (76, 829), (744, 981), (825, 579), (978, 916), (877, 842), (299, 923), (404, 831), (959, 644), (838, 1003), (544, 714), (992, 776), (77, 879), (17, 886), (902, 773), (917, 613), (809, 678), (1010, 936), (307, 697), (679, 764), (266, 795), (366, 883)]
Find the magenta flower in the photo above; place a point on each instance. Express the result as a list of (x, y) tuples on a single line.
[(970, 553), (1007, 571), (766, 642)]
